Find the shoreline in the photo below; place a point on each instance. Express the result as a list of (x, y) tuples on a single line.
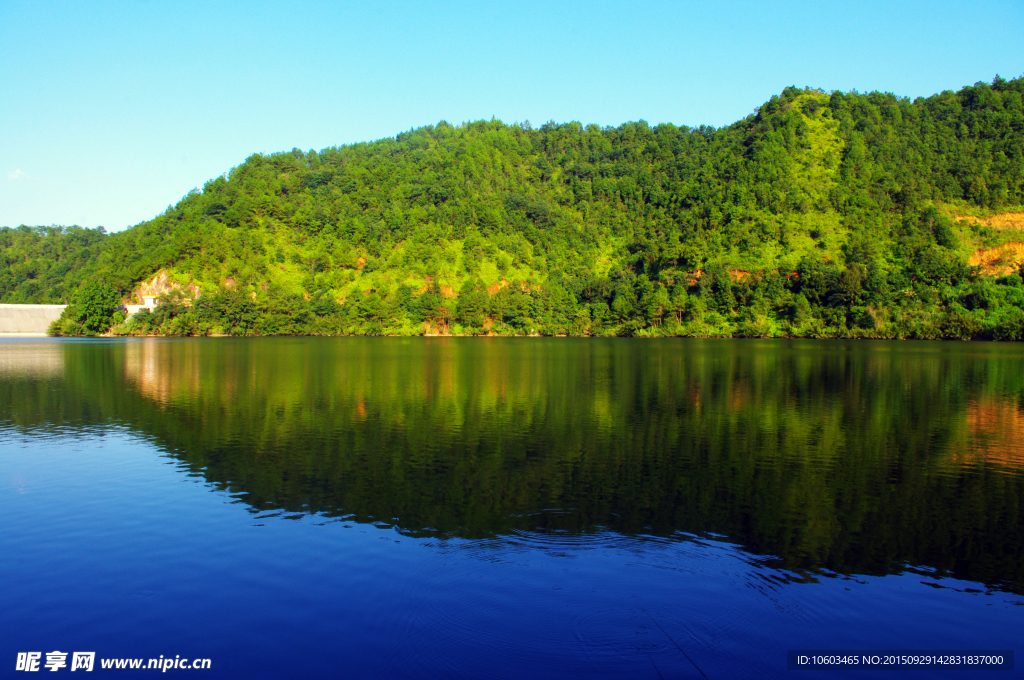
[(13, 336)]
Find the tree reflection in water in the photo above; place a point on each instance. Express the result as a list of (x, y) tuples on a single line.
[(859, 457)]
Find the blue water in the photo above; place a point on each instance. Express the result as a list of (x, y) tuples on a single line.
[(112, 544)]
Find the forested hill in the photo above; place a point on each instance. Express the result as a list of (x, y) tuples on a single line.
[(842, 214)]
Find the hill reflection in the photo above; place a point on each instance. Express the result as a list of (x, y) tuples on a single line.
[(856, 458)]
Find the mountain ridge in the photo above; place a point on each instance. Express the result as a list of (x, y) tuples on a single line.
[(856, 215)]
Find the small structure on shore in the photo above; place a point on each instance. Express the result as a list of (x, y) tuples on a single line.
[(148, 303), (27, 320)]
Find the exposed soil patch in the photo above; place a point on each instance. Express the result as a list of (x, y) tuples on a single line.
[(495, 287), (1009, 221), (159, 285), (998, 261)]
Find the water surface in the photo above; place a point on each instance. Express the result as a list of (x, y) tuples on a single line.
[(500, 507)]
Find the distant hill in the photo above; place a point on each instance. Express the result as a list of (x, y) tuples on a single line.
[(824, 215)]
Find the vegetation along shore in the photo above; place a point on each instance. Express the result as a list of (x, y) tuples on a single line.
[(820, 215)]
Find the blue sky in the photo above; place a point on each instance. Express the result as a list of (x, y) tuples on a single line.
[(109, 111)]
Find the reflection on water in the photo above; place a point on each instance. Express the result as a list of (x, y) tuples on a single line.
[(33, 359), (844, 457), (141, 368), (996, 432)]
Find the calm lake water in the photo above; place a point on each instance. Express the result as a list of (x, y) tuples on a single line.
[(509, 508)]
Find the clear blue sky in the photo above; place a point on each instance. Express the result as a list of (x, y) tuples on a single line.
[(109, 112)]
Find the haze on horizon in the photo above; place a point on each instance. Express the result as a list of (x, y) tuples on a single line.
[(113, 110)]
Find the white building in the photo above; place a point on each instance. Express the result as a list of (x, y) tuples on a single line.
[(148, 302)]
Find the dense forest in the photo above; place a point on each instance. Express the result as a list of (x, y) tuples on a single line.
[(820, 215)]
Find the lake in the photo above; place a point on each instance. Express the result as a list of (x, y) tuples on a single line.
[(509, 507)]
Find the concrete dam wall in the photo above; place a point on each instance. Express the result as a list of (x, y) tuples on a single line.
[(28, 319)]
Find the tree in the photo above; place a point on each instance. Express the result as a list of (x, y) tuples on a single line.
[(91, 312)]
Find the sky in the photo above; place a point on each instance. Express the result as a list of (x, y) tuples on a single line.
[(110, 112)]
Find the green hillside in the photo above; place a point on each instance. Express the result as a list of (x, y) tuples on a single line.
[(823, 215)]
